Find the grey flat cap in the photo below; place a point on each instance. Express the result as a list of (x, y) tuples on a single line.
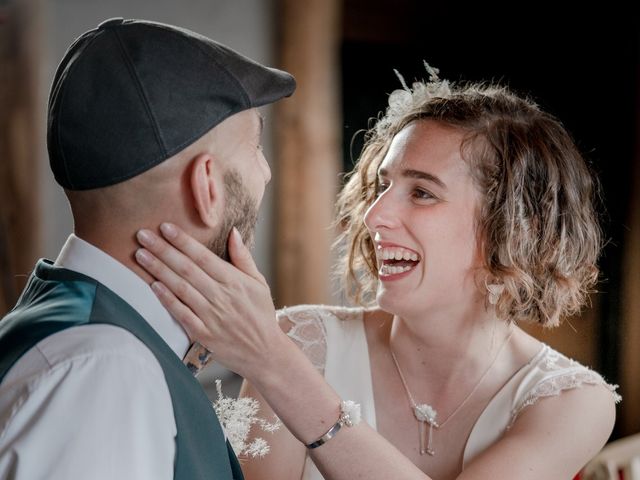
[(132, 93)]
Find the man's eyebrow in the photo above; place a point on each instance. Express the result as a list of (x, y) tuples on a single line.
[(419, 174)]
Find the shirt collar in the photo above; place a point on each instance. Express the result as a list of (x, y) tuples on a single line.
[(82, 257)]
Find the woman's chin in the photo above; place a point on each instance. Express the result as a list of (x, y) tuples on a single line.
[(391, 302), (404, 304)]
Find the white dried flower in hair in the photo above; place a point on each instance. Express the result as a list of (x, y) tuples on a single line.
[(401, 78), (407, 99), (432, 71), (237, 416)]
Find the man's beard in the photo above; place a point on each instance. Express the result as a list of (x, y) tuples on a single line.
[(241, 212)]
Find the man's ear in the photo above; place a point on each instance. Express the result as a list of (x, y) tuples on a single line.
[(206, 186)]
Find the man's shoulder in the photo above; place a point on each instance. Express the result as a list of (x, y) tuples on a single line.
[(92, 340), (81, 387), (85, 346)]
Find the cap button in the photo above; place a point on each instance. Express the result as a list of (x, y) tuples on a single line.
[(112, 22)]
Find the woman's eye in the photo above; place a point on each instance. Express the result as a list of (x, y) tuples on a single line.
[(422, 194), (381, 188)]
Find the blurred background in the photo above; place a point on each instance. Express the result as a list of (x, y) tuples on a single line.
[(583, 68)]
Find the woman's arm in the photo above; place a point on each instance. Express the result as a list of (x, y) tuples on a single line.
[(309, 407), (286, 456), (244, 336), (551, 440)]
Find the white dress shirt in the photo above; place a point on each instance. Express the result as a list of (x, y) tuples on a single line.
[(91, 402)]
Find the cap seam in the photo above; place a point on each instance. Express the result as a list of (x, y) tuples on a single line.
[(196, 136), (141, 91), (180, 35), (64, 90), (227, 72)]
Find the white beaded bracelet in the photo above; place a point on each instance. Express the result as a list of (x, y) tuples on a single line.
[(349, 416)]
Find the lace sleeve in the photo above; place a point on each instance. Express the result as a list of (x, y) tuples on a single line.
[(304, 326), (561, 373)]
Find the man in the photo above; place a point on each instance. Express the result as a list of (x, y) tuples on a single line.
[(146, 123)]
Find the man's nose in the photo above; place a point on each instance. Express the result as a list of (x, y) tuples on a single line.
[(265, 169)]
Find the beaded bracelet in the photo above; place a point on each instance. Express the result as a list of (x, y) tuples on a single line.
[(349, 416)]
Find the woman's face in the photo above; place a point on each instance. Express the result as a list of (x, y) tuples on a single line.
[(423, 223)]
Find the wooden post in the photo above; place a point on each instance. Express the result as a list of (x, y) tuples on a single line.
[(308, 151), (19, 187), (629, 411)]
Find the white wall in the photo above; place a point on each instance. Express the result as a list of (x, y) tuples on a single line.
[(244, 25)]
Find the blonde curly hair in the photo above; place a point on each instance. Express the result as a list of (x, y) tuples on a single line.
[(537, 226)]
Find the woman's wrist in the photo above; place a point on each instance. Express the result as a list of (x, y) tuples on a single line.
[(296, 391), (272, 370), (266, 365)]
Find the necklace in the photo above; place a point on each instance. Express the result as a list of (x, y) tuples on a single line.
[(426, 414)]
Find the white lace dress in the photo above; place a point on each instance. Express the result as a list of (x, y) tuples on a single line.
[(333, 338)]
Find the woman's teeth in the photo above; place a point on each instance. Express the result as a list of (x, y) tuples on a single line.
[(386, 269), (395, 260), (397, 253)]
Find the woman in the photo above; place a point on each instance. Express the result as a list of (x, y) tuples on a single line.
[(469, 211)]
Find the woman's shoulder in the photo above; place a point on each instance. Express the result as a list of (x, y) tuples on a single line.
[(555, 372), (308, 313), (566, 412), (307, 325), (550, 373)]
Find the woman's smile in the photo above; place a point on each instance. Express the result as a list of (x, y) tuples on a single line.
[(395, 261)]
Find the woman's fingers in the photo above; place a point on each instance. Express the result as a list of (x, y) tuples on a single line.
[(180, 265), (221, 305), (183, 314), (241, 256), (214, 266), (179, 295)]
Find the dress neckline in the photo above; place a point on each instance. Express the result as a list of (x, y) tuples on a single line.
[(533, 360)]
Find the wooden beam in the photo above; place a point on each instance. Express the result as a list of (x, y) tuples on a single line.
[(308, 151), (19, 186), (629, 411)]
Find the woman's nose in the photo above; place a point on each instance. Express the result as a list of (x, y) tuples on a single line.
[(381, 213)]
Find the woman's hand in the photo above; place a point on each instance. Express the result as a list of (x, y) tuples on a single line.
[(227, 307), (229, 310)]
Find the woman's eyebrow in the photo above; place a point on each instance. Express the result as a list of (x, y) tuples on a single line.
[(419, 174)]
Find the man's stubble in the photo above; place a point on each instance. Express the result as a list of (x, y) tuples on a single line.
[(241, 212)]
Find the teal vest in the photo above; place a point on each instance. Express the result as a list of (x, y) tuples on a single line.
[(55, 299)]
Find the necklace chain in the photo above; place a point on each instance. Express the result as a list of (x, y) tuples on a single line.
[(425, 413)]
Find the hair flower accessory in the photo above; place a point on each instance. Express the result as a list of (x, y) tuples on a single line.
[(237, 416), (406, 99)]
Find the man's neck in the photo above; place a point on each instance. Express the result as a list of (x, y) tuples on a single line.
[(122, 246)]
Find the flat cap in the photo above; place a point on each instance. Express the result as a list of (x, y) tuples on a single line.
[(129, 94)]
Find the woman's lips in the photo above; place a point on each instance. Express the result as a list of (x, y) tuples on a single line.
[(395, 261)]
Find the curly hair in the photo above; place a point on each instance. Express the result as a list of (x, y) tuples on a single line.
[(537, 224)]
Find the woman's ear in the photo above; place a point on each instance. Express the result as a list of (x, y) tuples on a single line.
[(206, 184)]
